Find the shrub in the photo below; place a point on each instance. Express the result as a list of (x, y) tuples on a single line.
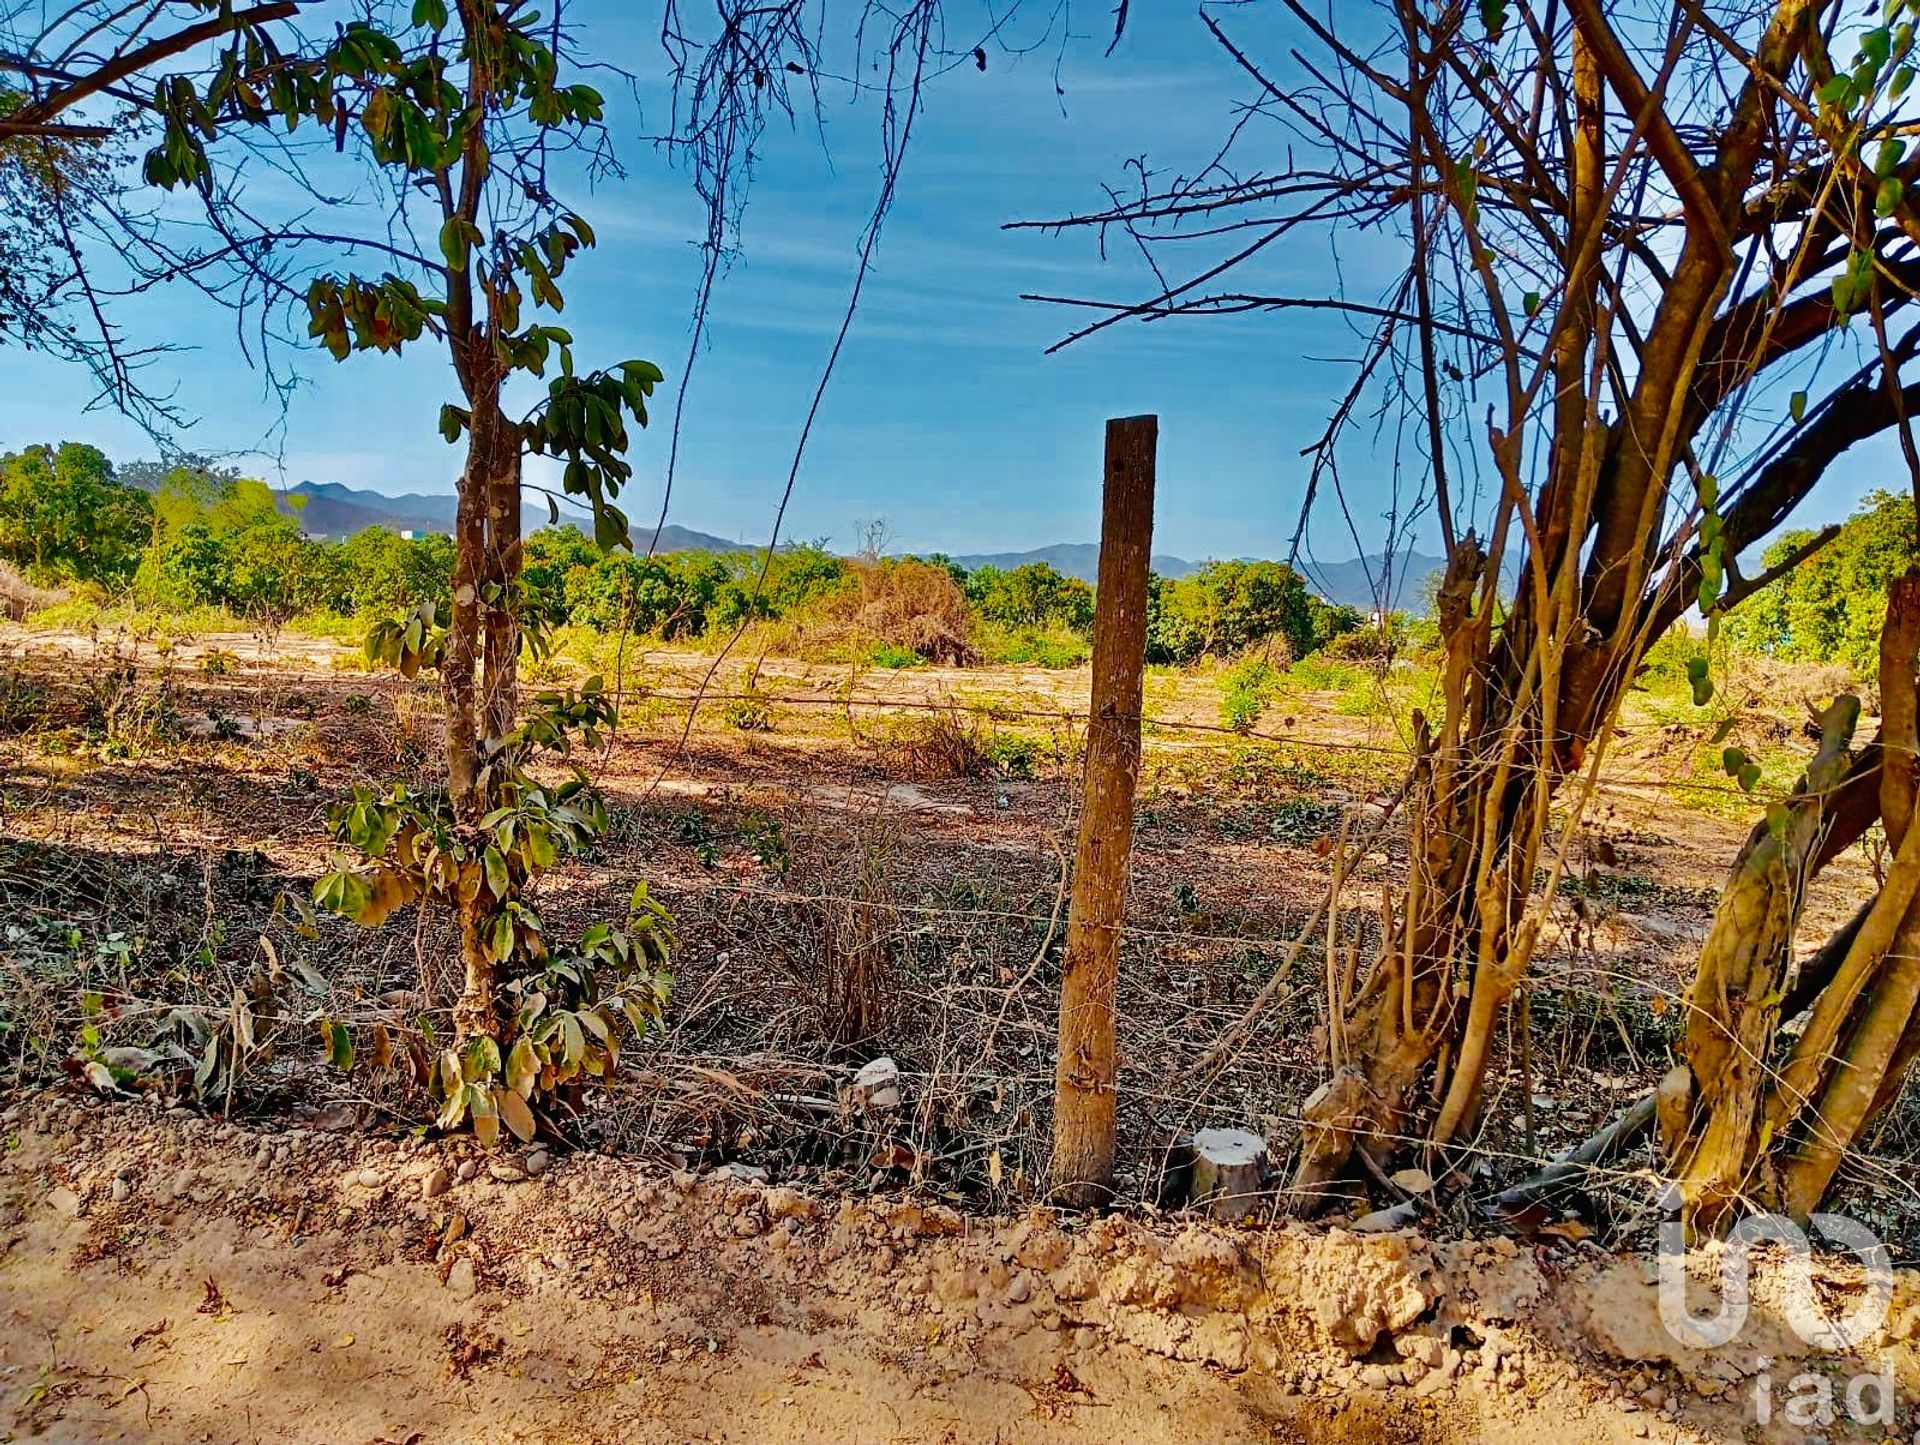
[(1014, 756), (1227, 607), (1057, 648), (1249, 686), (748, 714), (1033, 595), (1830, 607), (940, 745), (887, 654)]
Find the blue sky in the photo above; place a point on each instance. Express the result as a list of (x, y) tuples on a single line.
[(944, 416)]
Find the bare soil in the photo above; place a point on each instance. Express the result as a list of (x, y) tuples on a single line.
[(169, 1278)]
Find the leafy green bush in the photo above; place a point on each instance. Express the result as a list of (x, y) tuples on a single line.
[(1831, 606), (1013, 756), (64, 517), (1248, 688), (1228, 607), (892, 655), (1057, 648), (1031, 596)]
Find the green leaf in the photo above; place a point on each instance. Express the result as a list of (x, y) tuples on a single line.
[(431, 13), (1797, 406), (453, 244), (339, 1045), (1531, 301)]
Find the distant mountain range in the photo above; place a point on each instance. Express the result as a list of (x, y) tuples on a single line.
[(1358, 581), (330, 509), (333, 510)]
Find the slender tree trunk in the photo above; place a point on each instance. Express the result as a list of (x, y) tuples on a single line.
[(1083, 1118), (478, 673)]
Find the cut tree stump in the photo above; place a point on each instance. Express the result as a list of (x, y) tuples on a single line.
[(876, 1088), (1227, 1170)]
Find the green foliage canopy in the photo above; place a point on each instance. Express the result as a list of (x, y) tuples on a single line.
[(1830, 607), (64, 517)]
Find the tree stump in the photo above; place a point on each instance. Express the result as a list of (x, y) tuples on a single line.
[(1227, 1170), (876, 1088)]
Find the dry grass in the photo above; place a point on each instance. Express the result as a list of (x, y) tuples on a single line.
[(908, 606), (19, 597)]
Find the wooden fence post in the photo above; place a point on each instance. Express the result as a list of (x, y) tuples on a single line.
[(1083, 1101)]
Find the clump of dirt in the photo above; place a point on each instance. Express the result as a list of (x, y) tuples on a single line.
[(167, 1277)]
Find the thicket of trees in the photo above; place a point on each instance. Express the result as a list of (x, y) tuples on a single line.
[(195, 535)]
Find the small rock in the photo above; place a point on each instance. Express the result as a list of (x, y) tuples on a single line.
[(1020, 1288), (368, 1179), (538, 1161), (460, 1279), (743, 1173), (1375, 1377), (120, 1191), (437, 1183), (506, 1171), (64, 1200), (784, 1203), (468, 1168)]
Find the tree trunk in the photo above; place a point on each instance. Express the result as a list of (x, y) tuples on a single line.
[(479, 670), (1746, 1128), (1083, 1117)]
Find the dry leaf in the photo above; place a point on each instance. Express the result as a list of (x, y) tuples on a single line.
[(1567, 1229)]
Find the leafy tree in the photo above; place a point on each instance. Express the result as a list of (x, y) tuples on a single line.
[(1831, 607), (463, 107), (383, 572), (64, 517), (228, 542), (1034, 594), (1226, 607)]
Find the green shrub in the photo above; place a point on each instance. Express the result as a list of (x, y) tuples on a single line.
[(1013, 756), (1058, 648), (1228, 607), (892, 655), (1031, 596), (1830, 607), (1249, 686), (748, 714)]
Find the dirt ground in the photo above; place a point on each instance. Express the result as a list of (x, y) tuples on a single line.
[(168, 1278), (711, 1252)]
